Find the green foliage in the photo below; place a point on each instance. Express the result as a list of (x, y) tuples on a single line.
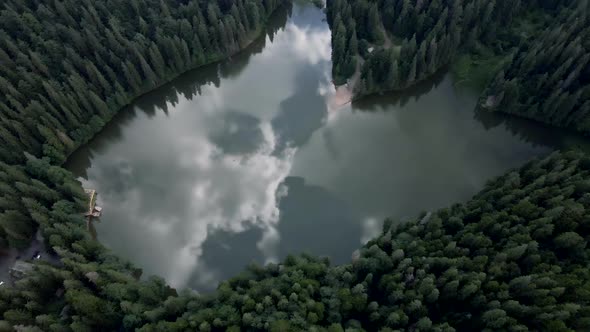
[(477, 68), (68, 66), (548, 80), (488, 264), (405, 42), (514, 257), (532, 55)]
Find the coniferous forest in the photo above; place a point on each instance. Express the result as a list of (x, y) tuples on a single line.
[(538, 50), (513, 258)]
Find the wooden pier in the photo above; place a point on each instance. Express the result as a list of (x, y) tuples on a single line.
[(93, 211)]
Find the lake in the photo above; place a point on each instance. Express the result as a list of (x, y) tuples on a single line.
[(251, 159)]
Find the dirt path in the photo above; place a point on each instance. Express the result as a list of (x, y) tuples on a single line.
[(343, 95)]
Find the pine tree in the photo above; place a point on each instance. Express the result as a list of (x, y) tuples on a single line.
[(412, 73)]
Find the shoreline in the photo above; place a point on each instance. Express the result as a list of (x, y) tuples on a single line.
[(256, 35)]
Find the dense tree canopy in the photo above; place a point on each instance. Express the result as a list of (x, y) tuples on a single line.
[(402, 42), (549, 80), (514, 257), (396, 43), (68, 66)]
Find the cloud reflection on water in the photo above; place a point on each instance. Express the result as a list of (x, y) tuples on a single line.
[(235, 193), (247, 161), (211, 163)]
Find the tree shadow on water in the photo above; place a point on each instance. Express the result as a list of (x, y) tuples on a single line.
[(536, 133), (379, 102)]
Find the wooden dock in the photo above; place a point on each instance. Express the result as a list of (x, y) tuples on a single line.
[(93, 211)]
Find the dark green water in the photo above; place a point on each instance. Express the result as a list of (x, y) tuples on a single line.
[(250, 160)]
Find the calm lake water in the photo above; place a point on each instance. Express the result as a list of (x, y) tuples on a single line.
[(250, 160)]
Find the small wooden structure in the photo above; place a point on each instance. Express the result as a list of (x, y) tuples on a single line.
[(93, 211)]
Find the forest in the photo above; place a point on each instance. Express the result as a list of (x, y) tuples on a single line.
[(514, 257), (68, 66), (534, 54)]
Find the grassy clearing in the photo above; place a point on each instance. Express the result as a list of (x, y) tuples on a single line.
[(477, 69)]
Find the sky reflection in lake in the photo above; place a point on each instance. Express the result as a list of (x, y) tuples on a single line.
[(243, 161)]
